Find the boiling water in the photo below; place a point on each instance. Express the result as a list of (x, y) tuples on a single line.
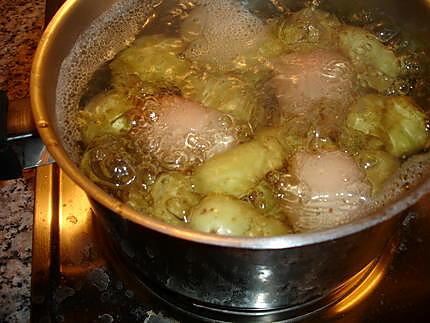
[(175, 122)]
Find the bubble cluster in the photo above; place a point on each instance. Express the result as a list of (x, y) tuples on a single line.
[(221, 30), (318, 83), (323, 190), (113, 168), (107, 35), (180, 134), (323, 186), (412, 171)]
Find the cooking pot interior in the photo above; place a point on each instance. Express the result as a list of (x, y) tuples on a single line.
[(254, 273), (83, 40), (115, 28)]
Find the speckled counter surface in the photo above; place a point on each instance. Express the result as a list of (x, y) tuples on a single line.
[(16, 218), (21, 23)]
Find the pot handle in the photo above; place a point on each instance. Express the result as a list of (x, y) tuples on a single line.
[(16, 119), (10, 166)]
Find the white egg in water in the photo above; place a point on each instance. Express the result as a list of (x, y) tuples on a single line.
[(302, 81), (333, 186)]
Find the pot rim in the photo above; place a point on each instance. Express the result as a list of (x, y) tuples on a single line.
[(47, 131)]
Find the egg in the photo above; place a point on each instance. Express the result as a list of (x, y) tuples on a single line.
[(220, 31), (182, 133), (332, 189), (304, 80)]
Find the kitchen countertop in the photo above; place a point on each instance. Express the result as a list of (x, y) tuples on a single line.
[(16, 220), (21, 23)]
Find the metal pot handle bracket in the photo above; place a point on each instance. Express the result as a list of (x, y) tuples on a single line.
[(20, 146), (10, 165)]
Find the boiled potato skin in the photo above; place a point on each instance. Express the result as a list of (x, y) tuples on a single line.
[(228, 94), (376, 64), (226, 215), (396, 121), (239, 169), (103, 114), (173, 190), (153, 59), (407, 126), (378, 166), (308, 29)]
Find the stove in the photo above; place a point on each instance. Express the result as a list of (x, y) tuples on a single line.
[(77, 276)]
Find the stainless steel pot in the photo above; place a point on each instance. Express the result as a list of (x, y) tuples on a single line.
[(230, 272)]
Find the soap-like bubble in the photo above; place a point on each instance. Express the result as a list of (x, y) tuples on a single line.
[(220, 31), (304, 80), (107, 35), (330, 188), (180, 133)]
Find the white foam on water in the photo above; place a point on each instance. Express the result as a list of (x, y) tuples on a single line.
[(335, 189), (226, 29), (106, 36), (116, 29), (413, 171)]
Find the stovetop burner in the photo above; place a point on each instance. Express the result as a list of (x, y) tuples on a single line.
[(352, 292), (339, 301), (78, 275)]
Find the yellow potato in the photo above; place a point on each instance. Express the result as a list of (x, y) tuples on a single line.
[(153, 59), (227, 215), (173, 197), (307, 29), (396, 121), (103, 115), (379, 166), (377, 65), (239, 169)]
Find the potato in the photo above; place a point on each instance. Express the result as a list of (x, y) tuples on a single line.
[(377, 65), (185, 133), (329, 189), (406, 125), (396, 121), (104, 115), (229, 94), (173, 196), (263, 198), (154, 59), (309, 28), (239, 169), (379, 166), (289, 140), (315, 84), (107, 162), (221, 32), (227, 215)]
